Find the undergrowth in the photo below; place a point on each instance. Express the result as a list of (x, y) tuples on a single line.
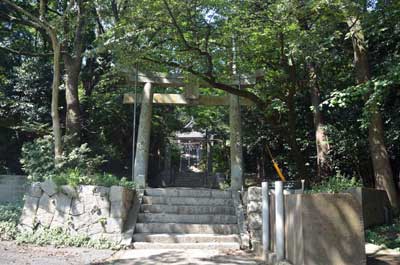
[(385, 235), (9, 217)]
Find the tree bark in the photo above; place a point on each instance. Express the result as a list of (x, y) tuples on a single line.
[(72, 68), (54, 97), (324, 167), (380, 160), (73, 62)]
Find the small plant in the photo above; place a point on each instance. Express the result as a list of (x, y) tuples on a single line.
[(9, 217), (385, 235), (224, 185), (335, 184), (59, 237), (124, 182)]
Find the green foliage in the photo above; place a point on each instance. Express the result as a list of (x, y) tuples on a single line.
[(10, 212), (225, 185), (75, 177), (8, 230), (37, 160), (335, 184), (385, 235), (124, 182), (9, 216), (61, 238)]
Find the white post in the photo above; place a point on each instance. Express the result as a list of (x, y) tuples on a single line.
[(143, 139), (265, 218), (279, 221), (236, 143)]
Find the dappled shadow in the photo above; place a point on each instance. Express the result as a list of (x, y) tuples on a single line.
[(383, 260), (201, 257)]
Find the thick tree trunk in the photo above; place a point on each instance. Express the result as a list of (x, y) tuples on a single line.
[(72, 68), (321, 139), (380, 160)]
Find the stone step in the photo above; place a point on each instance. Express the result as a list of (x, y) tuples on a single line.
[(150, 208), (188, 192), (187, 201), (156, 228), (184, 238), (186, 218), (146, 245)]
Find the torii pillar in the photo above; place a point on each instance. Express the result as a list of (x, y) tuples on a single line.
[(235, 143), (143, 140)]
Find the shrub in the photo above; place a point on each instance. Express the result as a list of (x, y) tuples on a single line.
[(336, 184), (38, 160)]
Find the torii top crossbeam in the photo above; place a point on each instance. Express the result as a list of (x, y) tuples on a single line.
[(191, 95)]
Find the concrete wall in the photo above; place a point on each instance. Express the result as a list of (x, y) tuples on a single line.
[(319, 228), (12, 188), (95, 211), (324, 229), (375, 206)]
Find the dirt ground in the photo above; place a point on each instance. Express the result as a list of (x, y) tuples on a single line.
[(10, 253)]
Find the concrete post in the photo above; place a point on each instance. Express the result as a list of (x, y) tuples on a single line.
[(279, 221), (265, 218), (143, 140), (236, 143)]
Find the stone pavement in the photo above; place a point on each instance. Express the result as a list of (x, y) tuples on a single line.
[(181, 257), (380, 256)]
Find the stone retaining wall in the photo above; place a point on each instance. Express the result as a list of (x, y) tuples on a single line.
[(95, 211)]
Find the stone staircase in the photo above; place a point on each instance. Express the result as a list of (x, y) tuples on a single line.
[(179, 218)]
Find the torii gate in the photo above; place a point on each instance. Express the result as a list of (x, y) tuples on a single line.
[(191, 97)]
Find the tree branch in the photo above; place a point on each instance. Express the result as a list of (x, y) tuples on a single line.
[(20, 52), (211, 80)]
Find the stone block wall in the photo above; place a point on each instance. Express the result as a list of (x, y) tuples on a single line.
[(95, 211), (254, 218)]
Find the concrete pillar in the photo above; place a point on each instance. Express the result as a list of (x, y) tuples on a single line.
[(265, 218), (143, 140), (279, 222), (236, 143)]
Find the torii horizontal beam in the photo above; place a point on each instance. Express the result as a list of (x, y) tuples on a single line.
[(180, 99), (170, 80)]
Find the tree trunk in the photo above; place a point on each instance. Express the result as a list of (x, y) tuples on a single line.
[(321, 139), (297, 156), (72, 68), (380, 160), (54, 97)]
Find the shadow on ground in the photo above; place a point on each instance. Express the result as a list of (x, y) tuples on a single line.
[(139, 257)]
